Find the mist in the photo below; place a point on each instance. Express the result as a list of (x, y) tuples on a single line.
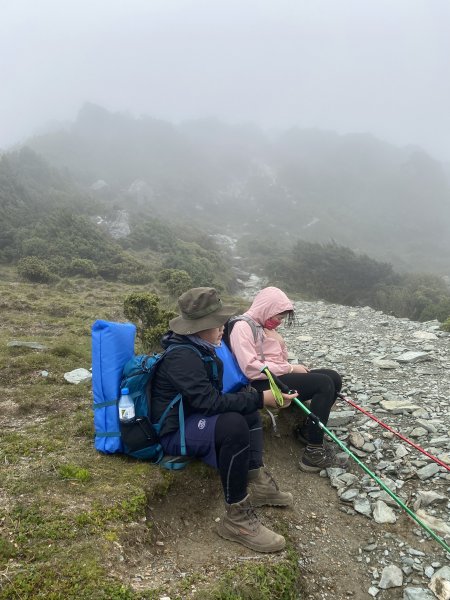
[(349, 66)]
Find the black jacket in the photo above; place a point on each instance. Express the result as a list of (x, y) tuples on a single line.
[(183, 371)]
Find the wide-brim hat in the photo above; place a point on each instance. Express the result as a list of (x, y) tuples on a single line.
[(201, 308)]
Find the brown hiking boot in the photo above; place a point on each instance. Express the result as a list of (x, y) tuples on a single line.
[(264, 491), (240, 524)]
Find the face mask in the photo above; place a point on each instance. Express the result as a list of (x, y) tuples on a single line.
[(272, 323)]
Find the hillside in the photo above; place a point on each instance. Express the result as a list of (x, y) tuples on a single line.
[(392, 203), (51, 228), (75, 524)]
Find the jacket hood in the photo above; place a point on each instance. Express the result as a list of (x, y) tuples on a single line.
[(269, 302), (170, 338)]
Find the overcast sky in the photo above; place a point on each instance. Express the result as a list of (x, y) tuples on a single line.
[(379, 66)]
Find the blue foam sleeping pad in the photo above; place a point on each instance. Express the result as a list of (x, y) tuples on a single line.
[(112, 347), (233, 377)]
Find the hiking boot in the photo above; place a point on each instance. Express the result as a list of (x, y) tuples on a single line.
[(264, 491), (240, 524), (315, 458)]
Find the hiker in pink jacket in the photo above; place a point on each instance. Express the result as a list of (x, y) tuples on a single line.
[(256, 343)]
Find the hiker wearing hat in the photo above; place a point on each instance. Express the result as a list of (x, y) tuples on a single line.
[(223, 430), (256, 343)]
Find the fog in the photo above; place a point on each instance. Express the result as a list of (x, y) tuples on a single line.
[(379, 66)]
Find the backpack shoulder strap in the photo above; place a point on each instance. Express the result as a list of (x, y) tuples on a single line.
[(179, 398), (205, 359), (257, 330)]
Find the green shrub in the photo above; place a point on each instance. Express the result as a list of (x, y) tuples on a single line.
[(82, 266), (446, 325), (206, 266), (154, 235), (7, 549), (35, 246), (150, 319), (176, 281), (74, 473), (338, 274), (134, 271), (109, 271), (32, 268)]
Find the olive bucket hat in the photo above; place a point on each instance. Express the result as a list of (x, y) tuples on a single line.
[(201, 308)]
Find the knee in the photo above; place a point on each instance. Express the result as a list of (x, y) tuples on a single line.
[(334, 382), (233, 427), (327, 389)]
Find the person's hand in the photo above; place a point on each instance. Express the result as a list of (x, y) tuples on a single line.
[(269, 399), (300, 369)]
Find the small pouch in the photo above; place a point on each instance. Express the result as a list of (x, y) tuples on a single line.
[(139, 434)]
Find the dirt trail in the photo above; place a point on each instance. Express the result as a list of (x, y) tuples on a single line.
[(328, 540)]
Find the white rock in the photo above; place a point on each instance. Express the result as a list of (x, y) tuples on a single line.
[(340, 418), (32, 345), (398, 406), (425, 335), (385, 364), (412, 357), (392, 576), (362, 506), (356, 439), (440, 583), (428, 497), (77, 376), (428, 471), (401, 451), (418, 432), (437, 525), (383, 513), (418, 594)]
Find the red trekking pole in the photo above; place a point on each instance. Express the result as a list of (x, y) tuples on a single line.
[(399, 435)]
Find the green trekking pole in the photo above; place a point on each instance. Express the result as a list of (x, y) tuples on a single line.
[(277, 386)]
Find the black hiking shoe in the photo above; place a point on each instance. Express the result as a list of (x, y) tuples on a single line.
[(316, 458)]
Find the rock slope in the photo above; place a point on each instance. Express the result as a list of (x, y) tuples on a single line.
[(398, 371)]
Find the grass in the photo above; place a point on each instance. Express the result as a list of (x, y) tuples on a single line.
[(63, 506), (72, 521)]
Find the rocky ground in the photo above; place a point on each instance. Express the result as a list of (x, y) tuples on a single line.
[(155, 531), (399, 371), (353, 539)]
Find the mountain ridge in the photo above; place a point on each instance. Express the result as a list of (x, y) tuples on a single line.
[(393, 203)]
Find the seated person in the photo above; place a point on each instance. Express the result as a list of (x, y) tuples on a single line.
[(256, 343), (223, 430)]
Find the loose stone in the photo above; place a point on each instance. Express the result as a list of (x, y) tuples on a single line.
[(391, 577)]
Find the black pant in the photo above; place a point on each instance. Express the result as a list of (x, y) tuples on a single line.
[(239, 447), (321, 386)]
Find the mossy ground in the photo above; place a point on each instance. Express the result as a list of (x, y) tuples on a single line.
[(72, 519)]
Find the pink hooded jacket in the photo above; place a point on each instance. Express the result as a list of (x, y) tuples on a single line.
[(269, 302)]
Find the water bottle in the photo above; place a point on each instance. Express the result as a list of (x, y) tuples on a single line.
[(126, 407)]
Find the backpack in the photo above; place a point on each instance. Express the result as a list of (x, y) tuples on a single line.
[(141, 437), (257, 330), (114, 366), (233, 377)]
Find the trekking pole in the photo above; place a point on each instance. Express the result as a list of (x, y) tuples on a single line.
[(398, 434), (276, 382)]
